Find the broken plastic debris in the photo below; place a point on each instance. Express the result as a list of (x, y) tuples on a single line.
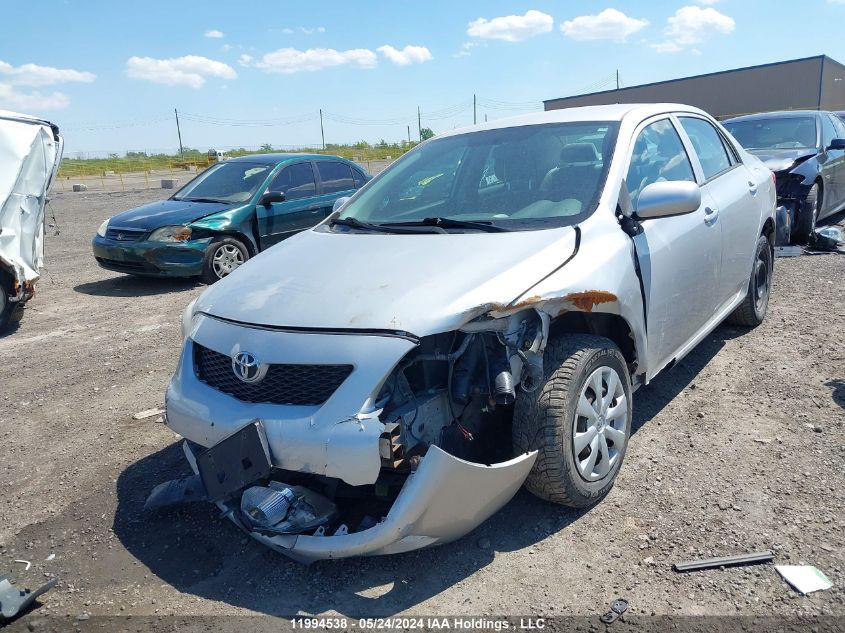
[(50, 557), (804, 578), (724, 561), (25, 562), (148, 413), (14, 600)]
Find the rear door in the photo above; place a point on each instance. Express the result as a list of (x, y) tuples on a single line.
[(337, 179), (679, 256), (300, 210), (731, 192)]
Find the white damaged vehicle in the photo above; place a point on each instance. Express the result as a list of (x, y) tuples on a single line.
[(474, 319), (30, 152)]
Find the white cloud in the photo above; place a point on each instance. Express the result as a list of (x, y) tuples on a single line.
[(610, 24), (466, 48), (13, 99), (35, 75), (291, 60), (190, 70), (214, 34), (406, 56), (691, 25), (511, 28), (244, 59), (305, 30), (288, 31)]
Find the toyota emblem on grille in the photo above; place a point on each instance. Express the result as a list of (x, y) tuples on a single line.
[(247, 368)]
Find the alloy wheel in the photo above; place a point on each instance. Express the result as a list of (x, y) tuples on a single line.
[(601, 417)]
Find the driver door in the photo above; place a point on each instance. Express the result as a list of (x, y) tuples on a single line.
[(680, 256), (300, 209)]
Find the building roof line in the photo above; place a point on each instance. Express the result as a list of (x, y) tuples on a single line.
[(670, 81)]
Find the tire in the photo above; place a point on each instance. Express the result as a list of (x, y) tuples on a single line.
[(222, 257), (546, 421), (9, 312), (808, 215), (751, 312)]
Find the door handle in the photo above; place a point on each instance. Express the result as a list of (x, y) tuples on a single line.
[(752, 188), (710, 215)]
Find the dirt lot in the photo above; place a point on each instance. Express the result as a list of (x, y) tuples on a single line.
[(740, 448)]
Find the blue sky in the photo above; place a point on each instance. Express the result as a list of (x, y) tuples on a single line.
[(111, 73)]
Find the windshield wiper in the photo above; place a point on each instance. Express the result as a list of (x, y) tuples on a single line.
[(450, 223), (200, 200), (383, 228)]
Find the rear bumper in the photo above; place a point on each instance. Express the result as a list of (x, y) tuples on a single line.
[(160, 259)]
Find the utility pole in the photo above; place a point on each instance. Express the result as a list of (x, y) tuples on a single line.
[(419, 122), (322, 132), (617, 79), (409, 135), (179, 132), (474, 111)]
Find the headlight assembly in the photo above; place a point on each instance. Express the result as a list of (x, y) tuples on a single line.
[(188, 318), (171, 234), (103, 228)]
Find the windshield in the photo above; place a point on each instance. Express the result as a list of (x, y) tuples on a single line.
[(775, 133), (234, 181), (517, 178)]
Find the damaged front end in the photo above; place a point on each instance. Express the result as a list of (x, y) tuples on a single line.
[(437, 422)]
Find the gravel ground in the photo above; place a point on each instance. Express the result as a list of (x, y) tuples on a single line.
[(741, 447)]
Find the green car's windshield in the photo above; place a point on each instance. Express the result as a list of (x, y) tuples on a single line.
[(794, 132), (515, 178), (234, 182)]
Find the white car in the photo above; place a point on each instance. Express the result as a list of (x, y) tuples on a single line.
[(474, 318)]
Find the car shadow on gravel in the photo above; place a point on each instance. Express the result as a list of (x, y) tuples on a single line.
[(128, 286), (837, 387), (199, 553)]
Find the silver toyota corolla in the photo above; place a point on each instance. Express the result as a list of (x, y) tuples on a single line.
[(474, 319)]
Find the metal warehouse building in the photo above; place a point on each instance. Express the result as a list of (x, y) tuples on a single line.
[(812, 83)]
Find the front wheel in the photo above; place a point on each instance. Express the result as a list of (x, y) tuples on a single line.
[(222, 258), (579, 421), (9, 312), (808, 215), (752, 310)]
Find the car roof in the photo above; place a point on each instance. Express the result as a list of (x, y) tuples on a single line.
[(614, 112), (279, 157), (780, 114)]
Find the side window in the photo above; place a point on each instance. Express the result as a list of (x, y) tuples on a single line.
[(336, 176), (828, 131), (658, 155), (839, 126), (295, 181), (359, 178), (708, 145)]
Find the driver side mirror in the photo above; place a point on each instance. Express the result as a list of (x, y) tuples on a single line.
[(667, 198), (338, 204), (271, 197), (837, 143)]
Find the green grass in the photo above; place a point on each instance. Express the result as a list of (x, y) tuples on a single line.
[(140, 161)]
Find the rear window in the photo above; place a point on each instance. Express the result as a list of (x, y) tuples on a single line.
[(336, 176), (796, 132)]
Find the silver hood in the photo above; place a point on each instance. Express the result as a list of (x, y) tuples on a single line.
[(422, 284)]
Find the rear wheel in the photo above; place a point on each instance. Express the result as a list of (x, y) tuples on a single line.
[(752, 310), (579, 421), (808, 215), (223, 257)]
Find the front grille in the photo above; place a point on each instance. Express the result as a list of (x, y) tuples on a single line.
[(125, 235), (305, 385)]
